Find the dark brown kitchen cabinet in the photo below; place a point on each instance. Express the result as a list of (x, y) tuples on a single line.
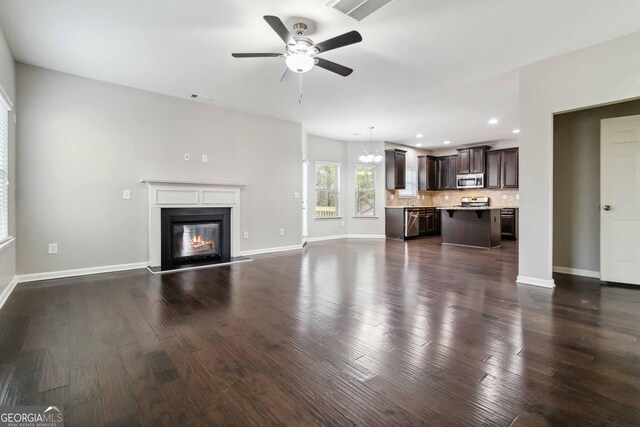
[(427, 173), (494, 169), (429, 221), (502, 169), (447, 167), (509, 223), (510, 168), (395, 165), (464, 161), (471, 160)]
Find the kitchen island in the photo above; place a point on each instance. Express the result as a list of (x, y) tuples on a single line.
[(471, 226)]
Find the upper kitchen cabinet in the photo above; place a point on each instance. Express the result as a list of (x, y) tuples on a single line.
[(447, 167), (494, 169), (502, 169), (510, 168), (427, 173), (471, 160), (395, 165)]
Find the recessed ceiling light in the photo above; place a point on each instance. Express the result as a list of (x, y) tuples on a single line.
[(447, 142), (419, 135), (516, 131), (418, 145), (493, 121)]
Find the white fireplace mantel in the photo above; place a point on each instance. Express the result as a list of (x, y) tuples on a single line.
[(190, 194)]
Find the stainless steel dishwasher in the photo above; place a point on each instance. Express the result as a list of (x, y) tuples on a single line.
[(411, 222)]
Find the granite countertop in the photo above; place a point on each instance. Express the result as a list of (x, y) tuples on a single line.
[(459, 208), (407, 207), (476, 208)]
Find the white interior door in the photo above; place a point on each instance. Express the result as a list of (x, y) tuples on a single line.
[(620, 200)]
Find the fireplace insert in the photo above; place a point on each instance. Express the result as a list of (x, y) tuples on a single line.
[(191, 236)]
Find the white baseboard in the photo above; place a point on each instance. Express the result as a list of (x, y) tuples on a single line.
[(270, 250), (23, 278), (523, 280), (323, 238), (4, 296), (346, 236), (577, 272)]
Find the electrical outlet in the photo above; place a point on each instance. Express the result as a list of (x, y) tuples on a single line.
[(517, 196), (126, 194), (205, 158), (446, 197), (282, 231), (186, 156), (246, 235), (504, 197), (296, 195), (53, 248)]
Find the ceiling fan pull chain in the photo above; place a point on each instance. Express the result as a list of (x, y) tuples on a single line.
[(300, 88)]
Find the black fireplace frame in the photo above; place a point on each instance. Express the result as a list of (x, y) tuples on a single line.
[(170, 216)]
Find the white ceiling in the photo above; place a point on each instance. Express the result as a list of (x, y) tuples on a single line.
[(441, 68)]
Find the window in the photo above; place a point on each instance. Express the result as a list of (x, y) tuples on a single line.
[(4, 168), (365, 190), (409, 184), (327, 190)]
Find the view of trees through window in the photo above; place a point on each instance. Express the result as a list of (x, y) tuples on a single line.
[(365, 190), (327, 189)]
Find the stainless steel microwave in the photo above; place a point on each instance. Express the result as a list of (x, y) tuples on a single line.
[(475, 180)]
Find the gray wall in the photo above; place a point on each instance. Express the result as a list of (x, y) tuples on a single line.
[(7, 80), (345, 153), (326, 150), (576, 184), (83, 141)]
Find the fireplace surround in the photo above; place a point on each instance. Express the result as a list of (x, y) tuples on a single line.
[(200, 196)]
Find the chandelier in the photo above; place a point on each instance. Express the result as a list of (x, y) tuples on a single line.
[(370, 156)]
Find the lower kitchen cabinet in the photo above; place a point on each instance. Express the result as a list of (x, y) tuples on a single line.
[(431, 219), (396, 222), (509, 220)]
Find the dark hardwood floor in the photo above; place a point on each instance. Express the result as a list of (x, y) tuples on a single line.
[(347, 332)]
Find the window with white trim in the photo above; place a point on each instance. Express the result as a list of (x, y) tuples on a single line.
[(409, 184), (365, 190), (327, 190), (4, 168)]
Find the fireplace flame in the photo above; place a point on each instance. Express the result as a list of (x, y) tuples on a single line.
[(197, 242)]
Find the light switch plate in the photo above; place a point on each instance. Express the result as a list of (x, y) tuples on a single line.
[(296, 195), (186, 156), (205, 158), (53, 248), (282, 231), (126, 194), (517, 197), (246, 235)]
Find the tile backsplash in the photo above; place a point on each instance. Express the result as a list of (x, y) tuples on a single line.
[(499, 198)]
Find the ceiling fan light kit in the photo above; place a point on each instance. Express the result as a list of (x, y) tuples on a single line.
[(300, 56), (299, 62)]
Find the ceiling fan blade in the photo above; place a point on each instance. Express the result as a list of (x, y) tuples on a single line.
[(256, 55), (285, 74), (344, 40), (277, 25), (333, 67)]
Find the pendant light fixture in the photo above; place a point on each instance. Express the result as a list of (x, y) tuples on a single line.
[(370, 156)]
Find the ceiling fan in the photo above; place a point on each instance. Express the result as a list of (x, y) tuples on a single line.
[(300, 56)]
